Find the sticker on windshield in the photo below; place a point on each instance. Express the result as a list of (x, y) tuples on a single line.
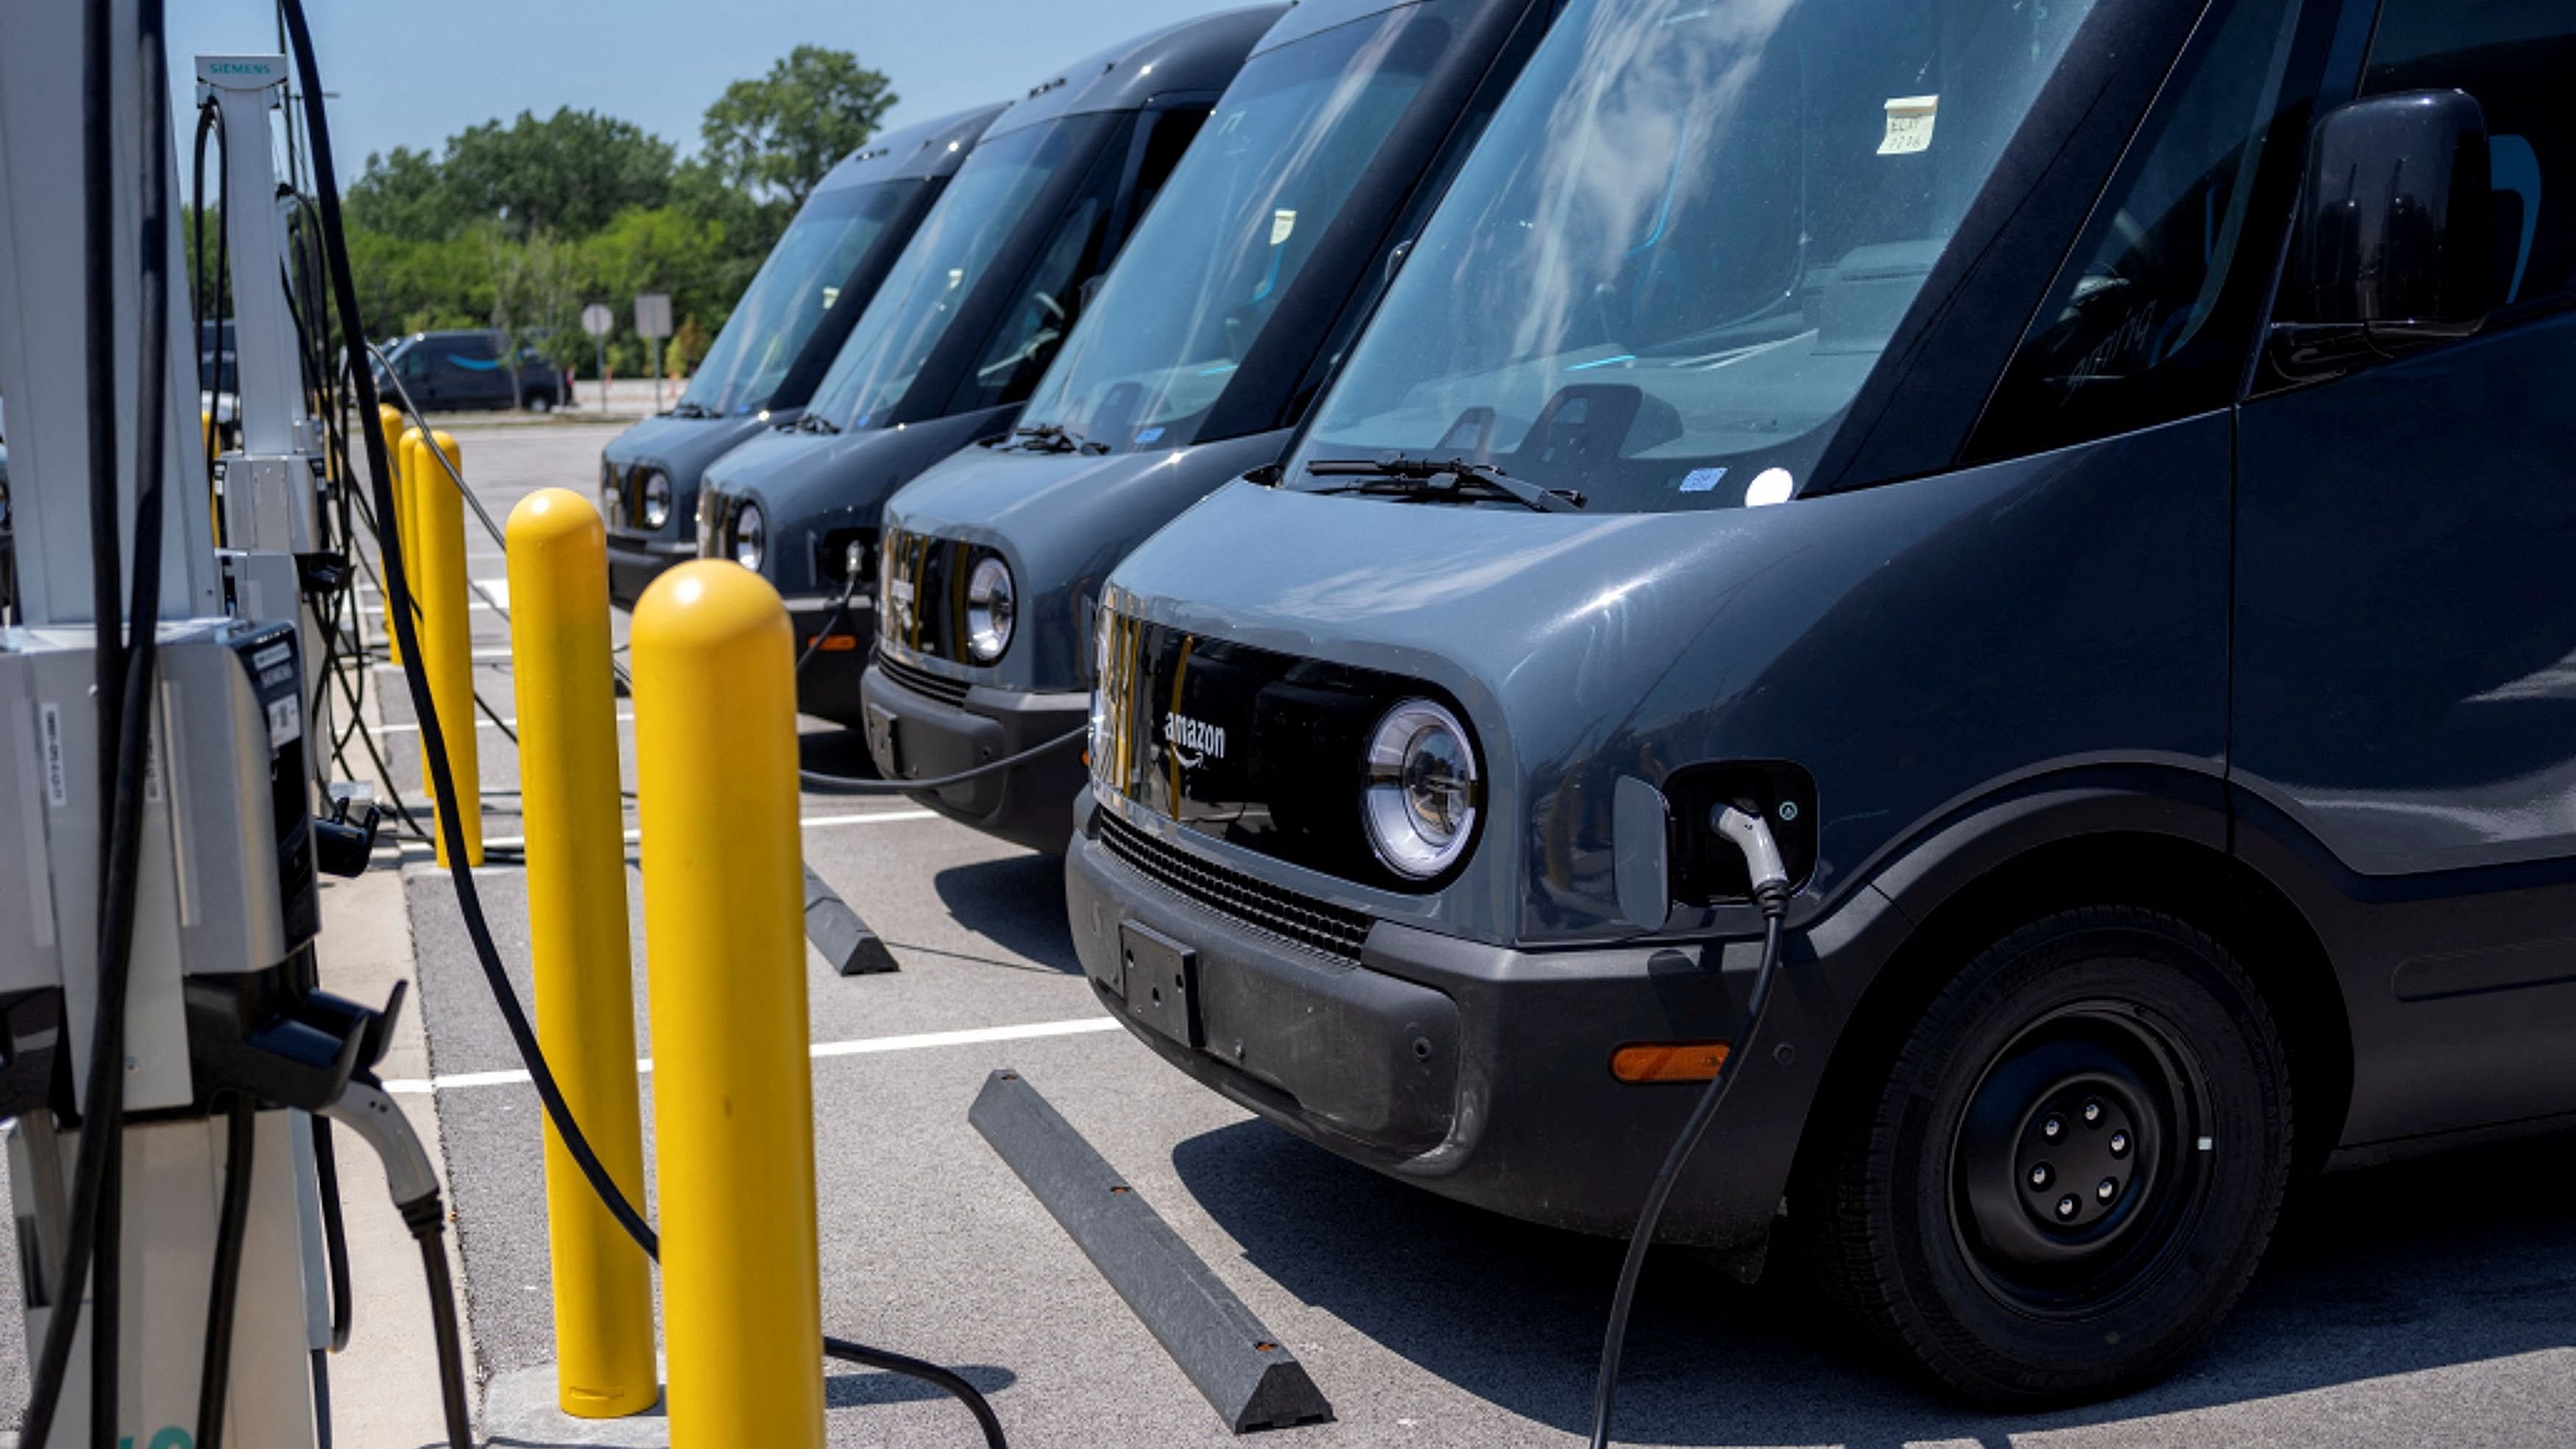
[(1702, 480), (1149, 435), (1771, 485), (1282, 222), (1909, 125)]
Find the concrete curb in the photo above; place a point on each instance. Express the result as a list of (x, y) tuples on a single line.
[(520, 1412)]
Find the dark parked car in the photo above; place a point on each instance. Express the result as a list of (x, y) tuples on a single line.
[(470, 370), (2097, 477)]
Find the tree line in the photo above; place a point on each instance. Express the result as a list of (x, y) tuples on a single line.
[(516, 226)]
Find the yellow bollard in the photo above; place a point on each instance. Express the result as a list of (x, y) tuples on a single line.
[(733, 1106), (389, 421), (437, 558), (559, 660)]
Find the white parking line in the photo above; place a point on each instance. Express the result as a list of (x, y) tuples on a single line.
[(865, 1046), (810, 822)]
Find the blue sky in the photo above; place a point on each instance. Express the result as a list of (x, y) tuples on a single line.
[(413, 74)]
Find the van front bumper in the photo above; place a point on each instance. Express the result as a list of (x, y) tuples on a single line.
[(1479, 1071), (634, 563), (915, 736)]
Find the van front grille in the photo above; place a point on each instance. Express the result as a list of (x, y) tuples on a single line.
[(1300, 920), (922, 681)]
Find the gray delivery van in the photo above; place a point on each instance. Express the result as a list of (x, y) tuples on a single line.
[(964, 326), (2095, 477), (776, 342), (1209, 339)]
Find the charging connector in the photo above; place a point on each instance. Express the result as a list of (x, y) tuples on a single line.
[(1750, 834)]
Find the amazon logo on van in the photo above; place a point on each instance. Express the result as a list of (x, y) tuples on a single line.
[(1193, 742)]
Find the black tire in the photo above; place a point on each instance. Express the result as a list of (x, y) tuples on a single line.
[(1945, 1222)]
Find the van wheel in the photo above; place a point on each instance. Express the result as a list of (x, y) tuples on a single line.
[(541, 404), (2065, 1176)]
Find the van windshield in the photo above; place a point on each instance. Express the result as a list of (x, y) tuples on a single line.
[(786, 301), (1226, 240), (943, 263), (1685, 240)]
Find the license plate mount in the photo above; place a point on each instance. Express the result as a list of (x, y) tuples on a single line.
[(884, 741), (1160, 979)]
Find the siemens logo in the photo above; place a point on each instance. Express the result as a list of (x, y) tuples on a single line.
[(1193, 742)]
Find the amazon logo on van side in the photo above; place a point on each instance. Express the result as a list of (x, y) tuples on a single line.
[(1193, 742)]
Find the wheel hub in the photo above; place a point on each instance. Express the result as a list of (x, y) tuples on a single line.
[(2061, 1163), (2078, 1156)]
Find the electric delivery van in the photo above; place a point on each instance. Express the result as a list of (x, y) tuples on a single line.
[(777, 340), (2097, 477), (1210, 337), (964, 326)]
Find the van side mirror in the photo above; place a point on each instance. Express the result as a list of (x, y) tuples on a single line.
[(2391, 251)]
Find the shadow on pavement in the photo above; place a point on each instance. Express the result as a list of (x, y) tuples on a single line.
[(2370, 1274), (857, 1390), (838, 752), (1017, 901), (840, 1391)]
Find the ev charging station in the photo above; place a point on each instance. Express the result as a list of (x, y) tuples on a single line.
[(167, 1048), (273, 489)]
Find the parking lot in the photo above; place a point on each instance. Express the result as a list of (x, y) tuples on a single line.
[(2428, 1303)]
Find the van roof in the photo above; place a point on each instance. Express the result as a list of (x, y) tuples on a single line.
[(919, 152), (1309, 17), (1194, 55)]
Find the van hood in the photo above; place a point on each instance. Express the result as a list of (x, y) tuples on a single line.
[(1061, 521), (1581, 649), (810, 485)]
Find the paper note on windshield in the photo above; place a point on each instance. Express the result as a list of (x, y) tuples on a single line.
[(1282, 222), (1909, 125)]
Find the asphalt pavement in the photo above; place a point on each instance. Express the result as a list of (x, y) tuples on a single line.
[(2428, 1303)]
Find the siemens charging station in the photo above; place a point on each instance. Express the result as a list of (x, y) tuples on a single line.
[(169, 1051)]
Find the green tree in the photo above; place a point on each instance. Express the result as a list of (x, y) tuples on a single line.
[(780, 133), (568, 173), (403, 193)]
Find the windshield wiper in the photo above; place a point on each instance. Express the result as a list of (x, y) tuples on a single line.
[(1431, 480), (814, 422), (1051, 438), (687, 409)]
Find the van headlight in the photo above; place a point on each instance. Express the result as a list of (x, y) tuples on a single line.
[(990, 605), (657, 499), (1421, 792), (750, 536)]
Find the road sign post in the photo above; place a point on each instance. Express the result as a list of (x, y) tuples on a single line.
[(596, 319), (653, 323)]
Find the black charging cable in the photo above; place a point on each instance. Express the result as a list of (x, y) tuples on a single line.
[(1770, 892), (853, 785), (125, 672), (214, 286), (840, 606), (443, 787), (214, 1376)]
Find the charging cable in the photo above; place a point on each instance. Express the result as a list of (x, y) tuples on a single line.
[(849, 590), (852, 785), (1746, 830)]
